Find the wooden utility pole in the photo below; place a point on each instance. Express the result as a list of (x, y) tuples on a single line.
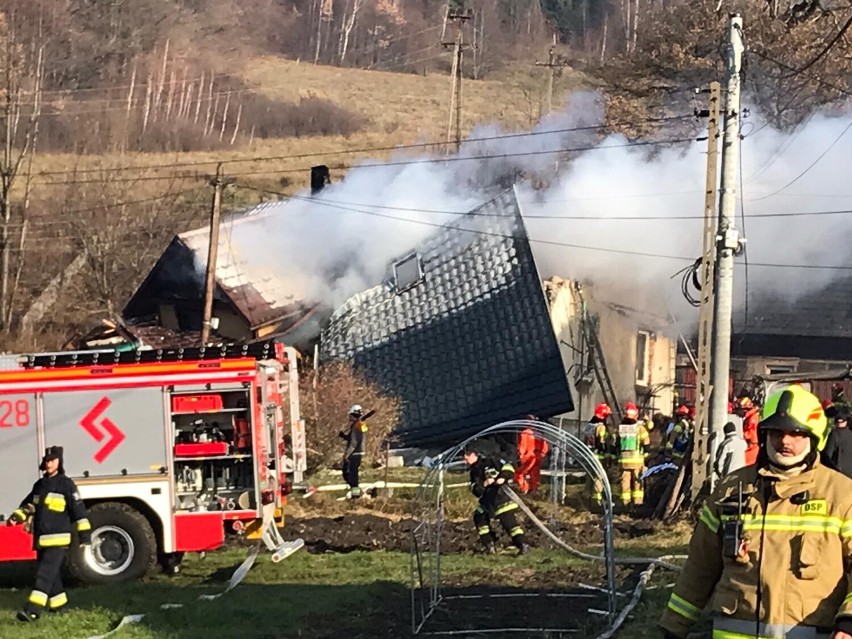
[(551, 64), (218, 183), (459, 18), (701, 464)]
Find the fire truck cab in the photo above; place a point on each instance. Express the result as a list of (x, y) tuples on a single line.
[(168, 448)]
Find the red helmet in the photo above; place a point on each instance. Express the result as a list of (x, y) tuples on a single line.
[(631, 411), (682, 410), (602, 411), (827, 403), (691, 413)]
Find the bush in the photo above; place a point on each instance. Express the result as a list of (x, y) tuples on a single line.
[(326, 407)]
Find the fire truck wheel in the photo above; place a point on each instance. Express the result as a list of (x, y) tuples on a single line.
[(123, 548)]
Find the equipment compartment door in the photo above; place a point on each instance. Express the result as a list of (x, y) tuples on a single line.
[(19, 449), (109, 432)]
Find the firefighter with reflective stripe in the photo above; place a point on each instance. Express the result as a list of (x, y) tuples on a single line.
[(532, 450), (353, 454), (597, 438), (488, 474), (771, 554), (677, 440), (633, 443), (51, 510)]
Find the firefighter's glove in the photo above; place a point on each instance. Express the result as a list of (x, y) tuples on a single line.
[(85, 539), (500, 480), (488, 481), (17, 517)]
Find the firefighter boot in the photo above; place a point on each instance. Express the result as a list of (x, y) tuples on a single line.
[(26, 615), (523, 549)]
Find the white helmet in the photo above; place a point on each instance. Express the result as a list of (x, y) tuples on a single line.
[(356, 410)]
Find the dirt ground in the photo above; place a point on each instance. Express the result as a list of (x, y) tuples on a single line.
[(365, 531)]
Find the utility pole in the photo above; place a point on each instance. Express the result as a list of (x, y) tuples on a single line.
[(727, 238), (218, 184), (459, 18), (551, 64), (701, 462)]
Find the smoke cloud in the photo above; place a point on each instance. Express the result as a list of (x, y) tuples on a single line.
[(342, 241)]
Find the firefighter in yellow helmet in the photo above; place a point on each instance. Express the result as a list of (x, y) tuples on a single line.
[(772, 550)]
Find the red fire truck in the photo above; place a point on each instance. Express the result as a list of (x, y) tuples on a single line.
[(168, 448)]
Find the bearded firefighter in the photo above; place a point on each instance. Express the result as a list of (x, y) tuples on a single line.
[(771, 553)]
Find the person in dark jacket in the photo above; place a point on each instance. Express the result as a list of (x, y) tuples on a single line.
[(51, 509), (354, 451), (838, 449), (488, 474)]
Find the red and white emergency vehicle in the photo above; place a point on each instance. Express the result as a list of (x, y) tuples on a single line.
[(168, 448)]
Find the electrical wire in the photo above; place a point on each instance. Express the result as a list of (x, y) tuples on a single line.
[(828, 47), (814, 78), (374, 149), (537, 240), (446, 160), (809, 167)]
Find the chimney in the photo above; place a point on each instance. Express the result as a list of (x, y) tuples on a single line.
[(319, 178)]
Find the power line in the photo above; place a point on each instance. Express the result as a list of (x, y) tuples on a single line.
[(809, 167), (816, 79), (546, 242), (445, 160), (592, 218), (828, 47), (399, 147)]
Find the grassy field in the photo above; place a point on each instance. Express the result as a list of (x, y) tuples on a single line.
[(324, 596), (401, 108)]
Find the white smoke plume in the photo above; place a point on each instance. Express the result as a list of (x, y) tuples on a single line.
[(342, 241)]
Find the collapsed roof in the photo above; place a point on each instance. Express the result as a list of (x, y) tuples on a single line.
[(460, 331)]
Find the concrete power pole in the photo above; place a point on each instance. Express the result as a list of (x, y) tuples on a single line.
[(727, 238), (701, 461), (454, 123), (218, 184)]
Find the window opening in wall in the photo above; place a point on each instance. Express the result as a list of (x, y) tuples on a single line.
[(643, 358), (407, 273)]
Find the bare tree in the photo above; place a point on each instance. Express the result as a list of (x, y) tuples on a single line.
[(21, 109)]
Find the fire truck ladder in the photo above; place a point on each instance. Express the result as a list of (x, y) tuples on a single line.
[(598, 362), (256, 350)]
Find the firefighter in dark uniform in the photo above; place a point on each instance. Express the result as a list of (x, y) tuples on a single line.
[(488, 473), (354, 452), (50, 510)]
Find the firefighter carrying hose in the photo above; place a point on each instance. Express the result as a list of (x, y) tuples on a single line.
[(488, 474), (49, 511), (633, 443), (771, 552)]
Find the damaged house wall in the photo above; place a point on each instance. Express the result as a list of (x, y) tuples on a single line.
[(254, 296), (468, 344), (640, 355)]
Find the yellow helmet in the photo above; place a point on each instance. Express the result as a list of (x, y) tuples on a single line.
[(795, 410)]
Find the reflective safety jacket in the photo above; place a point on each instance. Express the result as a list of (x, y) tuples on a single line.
[(633, 441), (56, 507), (794, 557), (678, 439), (492, 500)]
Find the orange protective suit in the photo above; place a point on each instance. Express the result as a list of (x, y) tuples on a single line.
[(531, 452)]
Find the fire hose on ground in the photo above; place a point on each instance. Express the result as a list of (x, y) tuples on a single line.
[(644, 577)]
